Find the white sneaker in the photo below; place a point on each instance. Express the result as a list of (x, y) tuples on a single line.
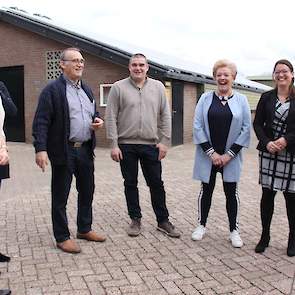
[(235, 239), (198, 233)]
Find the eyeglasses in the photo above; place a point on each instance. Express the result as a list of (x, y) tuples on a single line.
[(281, 72), (76, 60)]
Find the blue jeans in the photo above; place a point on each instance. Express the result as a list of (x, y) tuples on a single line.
[(151, 167), (81, 165)]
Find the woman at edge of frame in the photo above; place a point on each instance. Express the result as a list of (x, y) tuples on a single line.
[(274, 125)]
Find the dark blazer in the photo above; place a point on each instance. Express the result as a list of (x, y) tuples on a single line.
[(264, 117), (51, 125), (8, 104), (10, 111)]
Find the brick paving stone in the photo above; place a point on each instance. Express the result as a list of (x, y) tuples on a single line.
[(134, 289), (171, 288), (226, 289), (222, 279), (203, 275), (98, 278), (274, 292), (78, 283), (188, 281), (206, 285), (38, 283), (96, 289), (168, 277), (113, 291), (283, 285), (133, 278), (262, 285), (243, 283), (155, 292), (207, 292), (115, 283), (183, 271), (56, 288), (152, 263), (3, 283), (134, 268), (249, 291), (188, 290), (34, 291), (150, 273), (18, 288), (152, 283), (79, 292)]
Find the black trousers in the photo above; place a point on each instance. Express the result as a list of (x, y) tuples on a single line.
[(151, 167), (80, 165), (232, 200), (267, 208), (4, 172)]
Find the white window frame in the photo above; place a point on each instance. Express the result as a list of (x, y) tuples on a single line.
[(102, 99)]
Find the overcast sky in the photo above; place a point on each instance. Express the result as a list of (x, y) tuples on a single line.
[(253, 33)]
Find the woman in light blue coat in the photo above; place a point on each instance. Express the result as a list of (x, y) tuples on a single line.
[(221, 129)]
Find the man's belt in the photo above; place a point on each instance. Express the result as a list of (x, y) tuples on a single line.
[(78, 144)]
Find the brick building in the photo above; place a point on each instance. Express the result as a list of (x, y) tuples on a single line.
[(29, 55)]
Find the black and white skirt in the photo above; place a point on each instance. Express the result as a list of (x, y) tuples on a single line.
[(277, 171)]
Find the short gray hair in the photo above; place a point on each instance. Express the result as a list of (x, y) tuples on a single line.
[(63, 54)]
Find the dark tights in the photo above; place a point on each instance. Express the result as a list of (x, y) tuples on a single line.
[(267, 208)]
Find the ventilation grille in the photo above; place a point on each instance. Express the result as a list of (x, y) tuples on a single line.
[(52, 65)]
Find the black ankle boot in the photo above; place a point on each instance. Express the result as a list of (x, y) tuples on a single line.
[(291, 245), (262, 244), (4, 258)]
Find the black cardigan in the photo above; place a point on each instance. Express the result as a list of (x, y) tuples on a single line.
[(8, 104), (51, 125), (264, 117)]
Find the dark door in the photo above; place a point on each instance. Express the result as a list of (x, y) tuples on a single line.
[(177, 113), (13, 78)]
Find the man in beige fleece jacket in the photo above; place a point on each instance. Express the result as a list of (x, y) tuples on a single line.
[(138, 123)]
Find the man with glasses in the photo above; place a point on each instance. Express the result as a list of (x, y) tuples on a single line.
[(139, 125), (63, 131)]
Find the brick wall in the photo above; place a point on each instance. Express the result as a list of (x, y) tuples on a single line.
[(189, 104), (20, 47)]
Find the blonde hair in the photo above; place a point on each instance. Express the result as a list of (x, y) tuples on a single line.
[(225, 63)]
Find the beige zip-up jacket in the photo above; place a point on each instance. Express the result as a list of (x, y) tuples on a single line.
[(138, 116)]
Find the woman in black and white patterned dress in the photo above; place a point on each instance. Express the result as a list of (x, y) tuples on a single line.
[(274, 125)]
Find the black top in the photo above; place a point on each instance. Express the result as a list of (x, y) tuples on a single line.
[(264, 117), (219, 119)]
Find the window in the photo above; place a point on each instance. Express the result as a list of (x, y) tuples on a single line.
[(104, 90)]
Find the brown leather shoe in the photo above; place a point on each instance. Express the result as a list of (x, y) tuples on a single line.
[(69, 246), (91, 236)]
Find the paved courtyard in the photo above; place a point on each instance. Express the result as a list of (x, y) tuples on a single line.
[(151, 263)]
